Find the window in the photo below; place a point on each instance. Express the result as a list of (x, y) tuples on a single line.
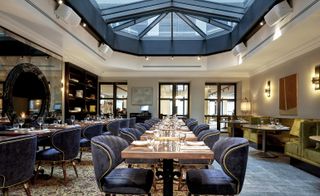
[(113, 99), (220, 103), (174, 99)]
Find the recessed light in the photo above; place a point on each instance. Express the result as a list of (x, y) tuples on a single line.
[(147, 58), (261, 23), (60, 1), (199, 58), (84, 24), (172, 57)]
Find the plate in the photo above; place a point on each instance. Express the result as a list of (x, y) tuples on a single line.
[(140, 143), (193, 143)]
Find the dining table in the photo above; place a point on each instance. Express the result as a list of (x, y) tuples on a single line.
[(235, 123), (167, 150), (265, 129)]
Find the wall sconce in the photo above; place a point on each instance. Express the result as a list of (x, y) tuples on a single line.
[(245, 106), (316, 78), (267, 90)]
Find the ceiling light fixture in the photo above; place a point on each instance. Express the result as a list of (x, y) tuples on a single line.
[(172, 57), (199, 58), (261, 23), (146, 58), (84, 24), (60, 1)]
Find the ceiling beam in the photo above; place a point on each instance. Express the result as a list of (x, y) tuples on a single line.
[(192, 25), (131, 23), (214, 22), (154, 23)]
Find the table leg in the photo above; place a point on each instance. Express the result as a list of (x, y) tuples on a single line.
[(264, 153), (167, 177)]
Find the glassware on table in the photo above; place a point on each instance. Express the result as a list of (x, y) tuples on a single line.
[(72, 118), (21, 122), (182, 138), (271, 121), (40, 121), (150, 141), (276, 121), (16, 126), (59, 119)]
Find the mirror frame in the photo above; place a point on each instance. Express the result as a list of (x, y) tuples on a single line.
[(12, 77)]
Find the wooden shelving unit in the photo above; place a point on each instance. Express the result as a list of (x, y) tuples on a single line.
[(80, 92)]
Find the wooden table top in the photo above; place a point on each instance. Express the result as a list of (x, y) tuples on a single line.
[(8, 138), (315, 138), (164, 152), (267, 127)]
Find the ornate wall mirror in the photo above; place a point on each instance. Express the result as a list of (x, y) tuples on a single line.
[(33, 78), (26, 93)]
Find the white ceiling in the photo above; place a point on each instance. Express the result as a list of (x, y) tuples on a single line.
[(36, 21)]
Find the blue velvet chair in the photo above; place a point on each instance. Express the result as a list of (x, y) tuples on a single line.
[(232, 155), (124, 123), (209, 137), (113, 127), (198, 128), (140, 127), (17, 159), (106, 156), (65, 148), (132, 122), (192, 124), (187, 121), (147, 126), (87, 133), (130, 134)]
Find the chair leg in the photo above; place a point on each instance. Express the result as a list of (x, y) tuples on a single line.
[(5, 192), (75, 168), (80, 155), (154, 184), (52, 166), (27, 188), (64, 171), (37, 172), (180, 185)]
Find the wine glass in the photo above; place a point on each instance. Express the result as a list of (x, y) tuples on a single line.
[(59, 119), (72, 118), (21, 122), (182, 138), (150, 141), (277, 121), (40, 121)]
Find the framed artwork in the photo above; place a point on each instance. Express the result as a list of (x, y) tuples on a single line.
[(288, 95), (142, 96)]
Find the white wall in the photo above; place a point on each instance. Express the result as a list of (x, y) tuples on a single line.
[(308, 98), (196, 91)]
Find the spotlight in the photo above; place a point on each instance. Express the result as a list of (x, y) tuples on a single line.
[(84, 24), (172, 57), (147, 58), (60, 1), (199, 58), (261, 23)]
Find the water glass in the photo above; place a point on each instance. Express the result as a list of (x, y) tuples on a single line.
[(72, 118), (182, 138), (21, 122), (150, 141), (40, 121)]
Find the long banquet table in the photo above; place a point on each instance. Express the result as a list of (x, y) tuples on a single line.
[(167, 153)]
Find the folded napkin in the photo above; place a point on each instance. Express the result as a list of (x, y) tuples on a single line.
[(195, 143), (149, 131), (139, 143), (194, 148)]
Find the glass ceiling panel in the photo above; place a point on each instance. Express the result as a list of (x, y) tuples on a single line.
[(160, 31), (115, 24), (182, 30), (207, 28), (114, 3), (139, 27), (238, 3)]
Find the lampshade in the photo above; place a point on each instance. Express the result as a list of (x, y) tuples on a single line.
[(245, 105)]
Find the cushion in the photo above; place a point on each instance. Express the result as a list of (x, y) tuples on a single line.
[(313, 155), (292, 148), (128, 181), (207, 181), (295, 129), (49, 154)]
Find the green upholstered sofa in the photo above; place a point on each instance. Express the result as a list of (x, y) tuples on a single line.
[(302, 147)]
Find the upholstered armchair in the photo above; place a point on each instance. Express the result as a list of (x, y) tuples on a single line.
[(140, 127), (17, 159), (106, 156), (124, 123), (198, 128), (87, 133), (310, 153), (132, 122), (113, 127), (232, 155), (65, 148)]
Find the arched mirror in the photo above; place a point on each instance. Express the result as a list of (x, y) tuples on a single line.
[(26, 93)]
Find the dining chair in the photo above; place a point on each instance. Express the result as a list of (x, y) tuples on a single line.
[(65, 148), (124, 123), (146, 125), (87, 133), (192, 124), (187, 121), (198, 128), (209, 137), (106, 156), (17, 159), (232, 155), (132, 122), (113, 127), (130, 134)]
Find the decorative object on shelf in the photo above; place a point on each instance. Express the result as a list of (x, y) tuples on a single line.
[(245, 105), (142, 96), (316, 78), (288, 95), (92, 108), (79, 93), (267, 89)]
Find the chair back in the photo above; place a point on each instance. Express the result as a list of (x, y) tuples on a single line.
[(146, 125), (17, 159), (132, 122), (232, 155), (140, 127), (192, 124), (92, 131), (124, 123), (67, 141), (114, 127), (106, 154), (209, 137), (198, 128), (130, 134), (190, 120)]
